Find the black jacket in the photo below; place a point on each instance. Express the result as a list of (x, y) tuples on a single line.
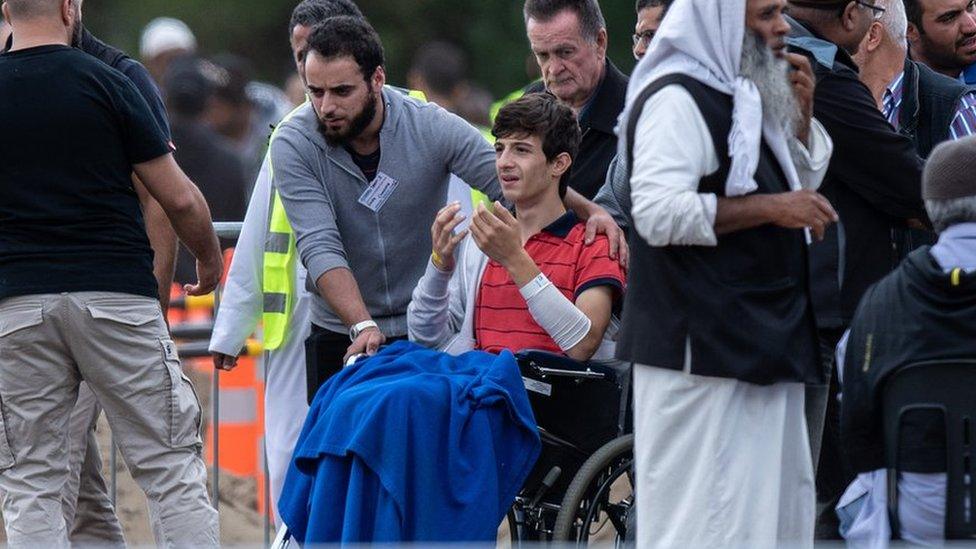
[(599, 145), (914, 314), (928, 105), (873, 181)]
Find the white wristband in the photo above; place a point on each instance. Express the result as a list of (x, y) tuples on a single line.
[(534, 286)]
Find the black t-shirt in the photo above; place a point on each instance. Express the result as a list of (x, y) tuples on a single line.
[(70, 219), (367, 163), (134, 71)]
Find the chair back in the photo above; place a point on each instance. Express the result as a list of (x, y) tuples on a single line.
[(949, 388)]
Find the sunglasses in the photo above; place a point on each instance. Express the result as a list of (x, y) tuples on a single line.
[(877, 11)]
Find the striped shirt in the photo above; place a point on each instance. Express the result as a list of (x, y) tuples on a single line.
[(501, 316), (963, 123)]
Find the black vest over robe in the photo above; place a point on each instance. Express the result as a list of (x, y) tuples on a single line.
[(742, 307)]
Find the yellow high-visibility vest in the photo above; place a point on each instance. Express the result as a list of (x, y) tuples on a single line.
[(497, 105), (278, 266)]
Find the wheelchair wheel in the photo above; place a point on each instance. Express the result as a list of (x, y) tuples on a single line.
[(600, 497)]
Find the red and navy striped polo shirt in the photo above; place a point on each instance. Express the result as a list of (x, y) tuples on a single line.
[(502, 319)]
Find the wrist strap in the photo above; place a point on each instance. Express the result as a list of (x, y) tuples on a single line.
[(358, 328), (438, 261)]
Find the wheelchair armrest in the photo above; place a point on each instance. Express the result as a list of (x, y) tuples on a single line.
[(546, 363)]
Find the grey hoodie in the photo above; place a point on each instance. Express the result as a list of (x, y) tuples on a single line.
[(421, 145)]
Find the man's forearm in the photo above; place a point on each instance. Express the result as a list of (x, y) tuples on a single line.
[(194, 227), (164, 243), (522, 269), (339, 289), (741, 213), (184, 205), (162, 239)]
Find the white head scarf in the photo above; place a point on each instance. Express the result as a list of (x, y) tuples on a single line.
[(703, 39)]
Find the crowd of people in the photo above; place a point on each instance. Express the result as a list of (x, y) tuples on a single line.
[(771, 216)]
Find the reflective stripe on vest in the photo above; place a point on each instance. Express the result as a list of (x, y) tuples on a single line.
[(279, 274), (478, 197)]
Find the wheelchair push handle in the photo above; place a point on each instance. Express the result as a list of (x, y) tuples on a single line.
[(547, 483), (546, 364), (551, 372)]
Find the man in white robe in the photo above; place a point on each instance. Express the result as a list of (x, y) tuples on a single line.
[(719, 323)]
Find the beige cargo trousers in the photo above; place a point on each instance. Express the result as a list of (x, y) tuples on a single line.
[(119, 345)]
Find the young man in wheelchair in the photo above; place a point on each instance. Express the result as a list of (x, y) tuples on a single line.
[(528, 280)]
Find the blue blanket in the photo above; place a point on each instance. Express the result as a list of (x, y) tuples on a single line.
[(411, 445)]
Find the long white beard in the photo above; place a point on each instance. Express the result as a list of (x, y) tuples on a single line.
[(771, 76)]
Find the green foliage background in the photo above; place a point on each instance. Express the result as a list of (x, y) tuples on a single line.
[(491, 32)]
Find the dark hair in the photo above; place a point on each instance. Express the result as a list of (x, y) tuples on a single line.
[(348, 36), (588, 11), (643, 4), (309, 13), (822, 12), (913, 11), (441, 65), (541, 115), (188, 87), (230, 75)]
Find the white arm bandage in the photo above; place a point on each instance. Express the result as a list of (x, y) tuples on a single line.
[(558, 316)]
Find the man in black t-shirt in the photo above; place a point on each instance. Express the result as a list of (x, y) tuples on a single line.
[(88, 510), (78, 299)]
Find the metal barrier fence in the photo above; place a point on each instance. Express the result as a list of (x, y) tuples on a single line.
[(223, 230)]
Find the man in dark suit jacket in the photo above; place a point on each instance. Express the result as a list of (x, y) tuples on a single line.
[(569, 41), (874, 182)]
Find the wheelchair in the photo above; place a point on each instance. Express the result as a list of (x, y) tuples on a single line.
[(581, 487)]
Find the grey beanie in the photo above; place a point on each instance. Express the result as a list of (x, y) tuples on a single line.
[(951, 171)]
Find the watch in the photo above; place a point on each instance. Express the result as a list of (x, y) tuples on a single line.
[(358, 328)]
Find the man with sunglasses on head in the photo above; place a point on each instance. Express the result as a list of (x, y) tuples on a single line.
[(874, 182), (919, 102)]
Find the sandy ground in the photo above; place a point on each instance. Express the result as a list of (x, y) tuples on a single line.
[(240, 522)]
